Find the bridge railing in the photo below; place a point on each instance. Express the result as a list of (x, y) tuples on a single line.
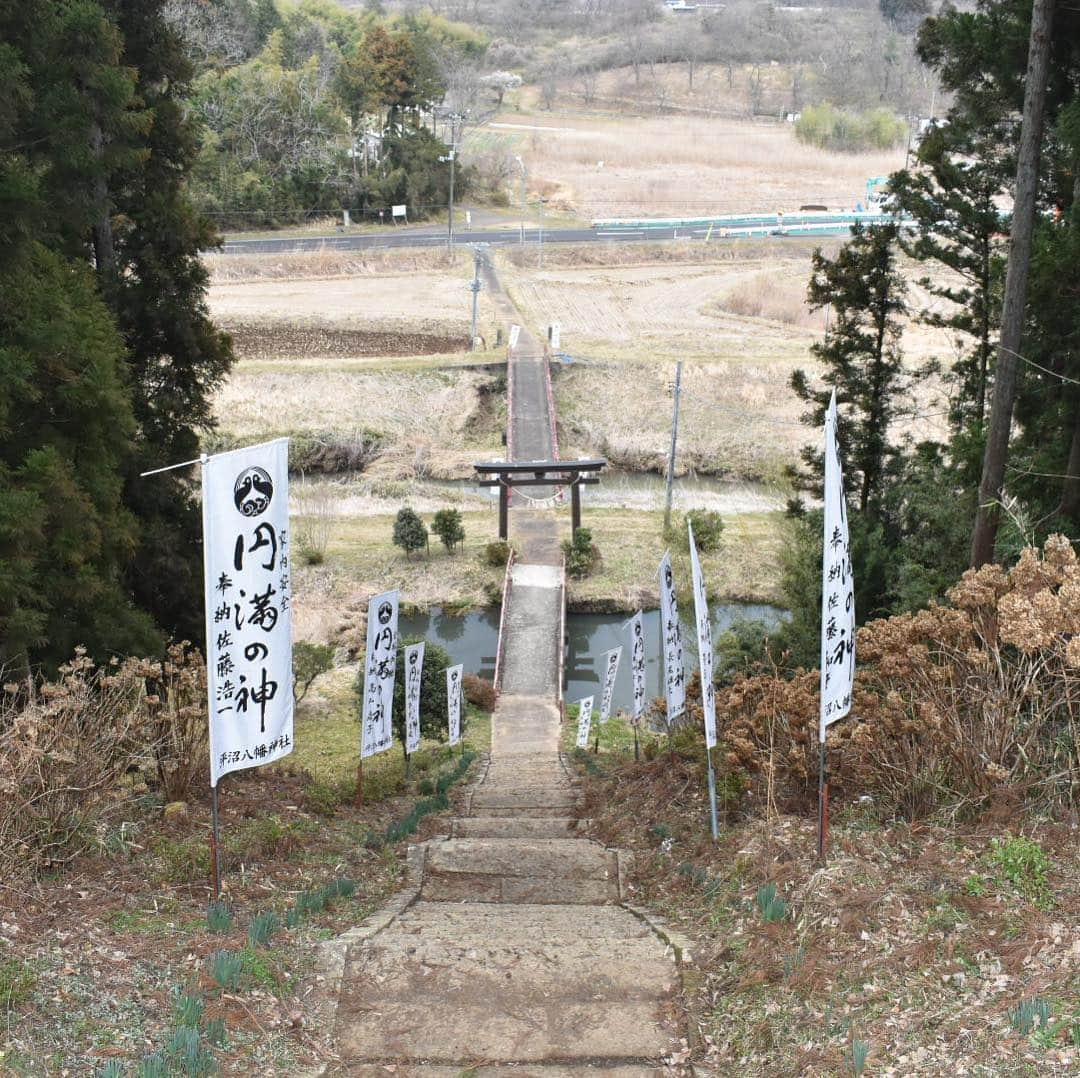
[(500, 647)]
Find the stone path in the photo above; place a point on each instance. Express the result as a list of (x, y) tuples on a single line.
[(511, 954)]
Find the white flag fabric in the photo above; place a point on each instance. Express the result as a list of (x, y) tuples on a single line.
[(248, 622), (380, 667), (611, 668), (837, 589), (671, 632), (637, 667), (453, 701), (414, 669), (704, 641), (515, 334), (584, 721)]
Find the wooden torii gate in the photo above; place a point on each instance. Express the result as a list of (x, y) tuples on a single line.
[(506, 475)]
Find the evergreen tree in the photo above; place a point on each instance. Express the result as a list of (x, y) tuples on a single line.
[(433, 715), (448, 527), (862, 358), (409, 531), (156, 286)]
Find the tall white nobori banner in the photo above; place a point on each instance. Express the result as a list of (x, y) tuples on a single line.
[(637, 667), (414, 670), (611, 668), (704, 643), (515, 336), (453, 701), (671, 633), (584, 721), (248, 622), (380, 667), (837, 590)]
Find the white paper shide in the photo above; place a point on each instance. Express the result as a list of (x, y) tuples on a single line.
[(671, 632), (637, 667), (414, 670), (380, 667), (704, 639), (584, 721), (248, 622), (611, 668), (837, 590), (453, 701)]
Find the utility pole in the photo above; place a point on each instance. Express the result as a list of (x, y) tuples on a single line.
[(1016, 286), (540, 233), (671, 454), (454, 119), (474, 287), (521, 164)]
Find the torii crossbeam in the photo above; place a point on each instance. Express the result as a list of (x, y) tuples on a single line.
[(506, 474)]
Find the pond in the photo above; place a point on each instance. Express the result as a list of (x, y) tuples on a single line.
[(472, 639)]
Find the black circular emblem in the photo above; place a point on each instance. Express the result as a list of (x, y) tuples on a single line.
[(386, 612), (253, 491)]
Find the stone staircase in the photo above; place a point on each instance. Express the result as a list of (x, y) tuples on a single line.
[(514, 956)]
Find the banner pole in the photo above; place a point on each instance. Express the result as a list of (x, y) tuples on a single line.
[(637, 746), (823, 804), (215, 843), (408, 765), (712, 797), (360, 783)]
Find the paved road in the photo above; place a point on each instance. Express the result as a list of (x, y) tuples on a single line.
[(339, 241)]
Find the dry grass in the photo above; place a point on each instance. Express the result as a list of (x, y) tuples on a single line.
[(426, 422), (328, 262), (681, 166), (772, 297)]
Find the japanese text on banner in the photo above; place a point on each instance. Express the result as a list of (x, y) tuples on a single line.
[(453, 701), (380, 668), (611, 668), (414, 670), (637, 666), (837, 589), (584, 721), (671, 632), (704, 638), (248, 621)]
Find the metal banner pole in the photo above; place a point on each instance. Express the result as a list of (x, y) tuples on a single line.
[(712, 797), (360, 783), (215, 843), (823, 804), (671, 455)]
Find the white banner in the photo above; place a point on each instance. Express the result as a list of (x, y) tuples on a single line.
[(515, 334), (556, 336), (453, 701), (671, 634), (637, 666), (380, 667), (837, 589), (704, 642), (584, 721), (414, 669), (611, 668), (248, 623)]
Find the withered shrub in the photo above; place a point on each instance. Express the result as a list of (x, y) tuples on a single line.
[(67, 744), (953, 704)]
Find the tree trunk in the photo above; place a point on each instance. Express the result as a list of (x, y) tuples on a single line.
[(1016, 286), (104, 251), (1070, 490)]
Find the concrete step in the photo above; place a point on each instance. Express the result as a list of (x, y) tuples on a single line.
[(400, 968), (493, 1027), (513, 827), (521, 797), (520, 870), (551, 923), (511, 1070)]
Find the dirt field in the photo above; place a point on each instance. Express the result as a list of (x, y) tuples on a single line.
[(739, 321), (665, 166)]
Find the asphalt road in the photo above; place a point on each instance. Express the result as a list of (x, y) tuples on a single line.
[(339, 241)]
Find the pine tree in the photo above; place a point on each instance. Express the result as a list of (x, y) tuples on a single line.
[(448, 527), (862, 358)]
